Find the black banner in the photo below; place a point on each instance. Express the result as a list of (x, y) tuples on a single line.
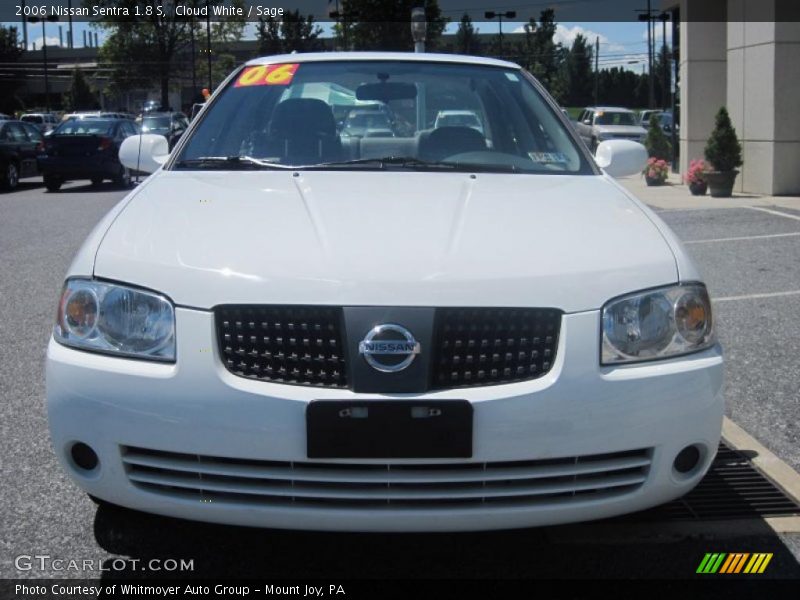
[(453, 10)]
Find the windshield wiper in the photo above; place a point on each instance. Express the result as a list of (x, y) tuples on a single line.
[(228, 163), (402, 162), (408, 162)]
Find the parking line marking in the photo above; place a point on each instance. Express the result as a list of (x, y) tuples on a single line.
[(774, 212), (754, 296), (746, 237)]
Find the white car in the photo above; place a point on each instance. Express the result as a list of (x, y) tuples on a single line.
[(604, 123), (458, 118), (285, 328)]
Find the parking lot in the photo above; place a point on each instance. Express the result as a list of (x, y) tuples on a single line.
[(748, 251)]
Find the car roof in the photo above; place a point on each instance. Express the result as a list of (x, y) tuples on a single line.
[(609, 109), (368, 56)]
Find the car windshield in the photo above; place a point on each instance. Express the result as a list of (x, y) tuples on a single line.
[(605, 117), (366, 114), (84, 127), (32, 119), (155, 123), (458, 120)]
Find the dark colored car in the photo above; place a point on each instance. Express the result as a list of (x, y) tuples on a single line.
[(86, 149), (169, 124), (19, 145)]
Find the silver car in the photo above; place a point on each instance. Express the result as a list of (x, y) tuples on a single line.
[(600, 124)]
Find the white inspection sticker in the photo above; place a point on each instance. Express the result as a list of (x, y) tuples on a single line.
[(548, 157)]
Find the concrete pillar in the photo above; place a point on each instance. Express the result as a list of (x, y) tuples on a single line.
[(763, 90), (703, 74)]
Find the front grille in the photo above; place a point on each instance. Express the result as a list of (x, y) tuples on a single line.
[(345, 485), (299, 345), (485, 346)]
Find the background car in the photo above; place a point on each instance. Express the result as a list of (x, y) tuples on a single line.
[(458, 118), (368, 122), (644, 117), (86, 149), (18, 150), (44, 121), (600, 124), (169, 124), (86, 114)]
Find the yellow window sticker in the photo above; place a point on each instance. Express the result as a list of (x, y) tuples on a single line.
[(267, 75)]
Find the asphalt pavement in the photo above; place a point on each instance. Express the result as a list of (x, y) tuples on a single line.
[(751, 279)]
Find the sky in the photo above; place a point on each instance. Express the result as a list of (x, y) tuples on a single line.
[(621, 43)]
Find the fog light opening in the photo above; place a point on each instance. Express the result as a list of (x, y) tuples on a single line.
[(84, 457), (687, 460)]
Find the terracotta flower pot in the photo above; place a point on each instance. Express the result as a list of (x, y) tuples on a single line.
[(720, 183), (698, 188)]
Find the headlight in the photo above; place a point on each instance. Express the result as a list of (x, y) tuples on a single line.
[(657, 324), (115, 319)]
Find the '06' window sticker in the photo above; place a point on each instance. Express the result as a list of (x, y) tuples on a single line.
[(267, 75)]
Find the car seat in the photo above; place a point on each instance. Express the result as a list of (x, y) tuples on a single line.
[(447, 141), (303, 131)]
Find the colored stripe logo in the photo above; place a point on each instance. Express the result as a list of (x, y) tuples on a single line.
[(734, 562)]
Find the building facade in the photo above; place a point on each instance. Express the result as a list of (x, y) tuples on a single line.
[(745, 55)]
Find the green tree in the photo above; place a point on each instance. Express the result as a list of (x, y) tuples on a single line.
[(466, 37), (146, 51), (578, 73), (294, 33), (385, 24), (542, 56), (723, 149), (9, 53), (79, 96), (657, 144)]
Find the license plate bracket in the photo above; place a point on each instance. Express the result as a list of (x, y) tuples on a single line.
[(389, 429)]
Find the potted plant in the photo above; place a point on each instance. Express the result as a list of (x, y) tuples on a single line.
[(656, 142), (695, 177), (655, 171), (724, 152)]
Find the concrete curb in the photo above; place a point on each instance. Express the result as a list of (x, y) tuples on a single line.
[(777, 471)]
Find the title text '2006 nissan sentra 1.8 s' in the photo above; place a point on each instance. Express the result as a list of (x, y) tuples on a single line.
[(411, 329)]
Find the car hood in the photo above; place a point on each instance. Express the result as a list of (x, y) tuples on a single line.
[(384, 238), (621, 129)]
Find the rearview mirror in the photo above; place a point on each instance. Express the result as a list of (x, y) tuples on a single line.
[(145, 153), (620, 158), (384, 92)]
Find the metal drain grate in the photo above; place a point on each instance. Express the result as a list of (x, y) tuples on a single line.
[(732, 489)]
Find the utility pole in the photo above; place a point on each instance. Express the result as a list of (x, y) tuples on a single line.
[(51, 18), (666, 56), (648, 17), (419, 28), (208, 45), (24, 28), (194, 61), (491, 15), (69, 17), (652, 90), (597, 71)]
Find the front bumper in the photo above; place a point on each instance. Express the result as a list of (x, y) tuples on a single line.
[(196, 408)]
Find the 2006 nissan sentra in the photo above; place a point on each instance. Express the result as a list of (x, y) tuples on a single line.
[(437, 328)]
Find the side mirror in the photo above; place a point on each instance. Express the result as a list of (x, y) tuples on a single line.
[(620, 158), (145, 153), (587, 121)]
